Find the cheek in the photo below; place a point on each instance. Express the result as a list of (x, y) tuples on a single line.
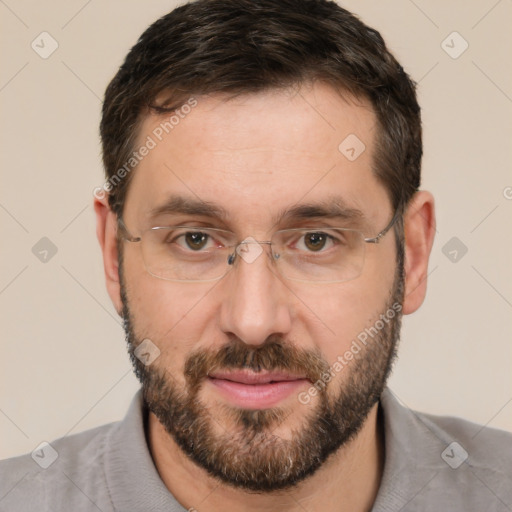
[(339, 312), (171, 315)]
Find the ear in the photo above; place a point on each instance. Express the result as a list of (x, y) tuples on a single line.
[(419, 228), (106, 231)]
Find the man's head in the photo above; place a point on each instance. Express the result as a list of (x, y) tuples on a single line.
[(258, 117)]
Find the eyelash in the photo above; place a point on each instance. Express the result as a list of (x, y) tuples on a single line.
[(182, 235)]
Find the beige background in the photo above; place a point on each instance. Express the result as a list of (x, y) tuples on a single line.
[(63, 365)]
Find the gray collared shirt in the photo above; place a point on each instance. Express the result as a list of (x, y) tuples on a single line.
[(432, 464)]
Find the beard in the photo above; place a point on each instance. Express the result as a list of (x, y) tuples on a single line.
[(247, 454)]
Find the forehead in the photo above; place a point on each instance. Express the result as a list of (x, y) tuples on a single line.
[(255, 155)]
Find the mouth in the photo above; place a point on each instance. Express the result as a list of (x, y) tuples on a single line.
[(252, 390)]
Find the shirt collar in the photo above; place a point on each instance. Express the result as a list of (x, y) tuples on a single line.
[(132, 478), (413, 446)]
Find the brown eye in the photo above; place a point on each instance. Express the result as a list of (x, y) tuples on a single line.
[(196, 240), (315, 241)]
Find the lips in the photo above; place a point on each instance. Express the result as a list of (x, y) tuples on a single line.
[(250, 377), (261, 390)]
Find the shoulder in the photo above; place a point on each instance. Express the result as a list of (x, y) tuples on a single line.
[(477, 462), (31, 481), (431, 460), (465, 442)]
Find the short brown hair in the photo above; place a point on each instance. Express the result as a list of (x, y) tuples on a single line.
[(248, 46)]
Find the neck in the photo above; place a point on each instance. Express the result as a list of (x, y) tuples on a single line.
[(350, 477)]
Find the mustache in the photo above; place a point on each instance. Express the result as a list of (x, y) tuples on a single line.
[(274, 355)]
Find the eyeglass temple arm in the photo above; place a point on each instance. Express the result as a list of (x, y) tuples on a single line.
[(376, 239), (124, 231)]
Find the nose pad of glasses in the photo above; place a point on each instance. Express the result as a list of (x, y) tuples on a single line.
[(249, 259)]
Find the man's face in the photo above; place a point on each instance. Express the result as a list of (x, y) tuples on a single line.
[(256, 157)]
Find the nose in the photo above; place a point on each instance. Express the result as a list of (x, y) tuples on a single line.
[(256, 303)]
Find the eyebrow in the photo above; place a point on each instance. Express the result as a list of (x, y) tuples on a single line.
[(333, 207), (189, 206)]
